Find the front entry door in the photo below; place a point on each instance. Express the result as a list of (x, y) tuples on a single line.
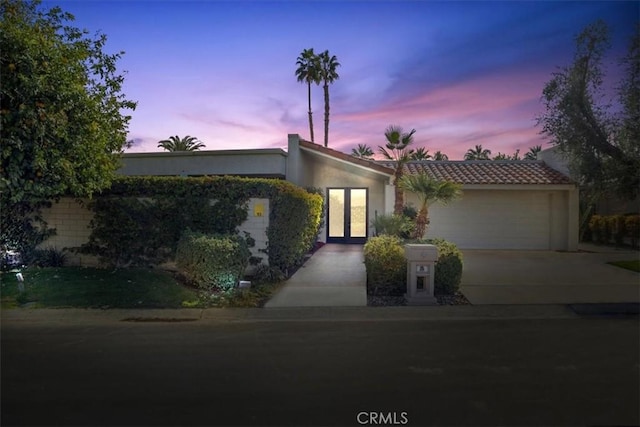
[(347, 215)]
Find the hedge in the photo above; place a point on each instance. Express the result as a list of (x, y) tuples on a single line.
[(140, 219), (387, 267), (212, 262), (615, 229)]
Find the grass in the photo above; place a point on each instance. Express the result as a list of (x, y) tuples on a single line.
[(96, 288), (79, 287), (633, 265)]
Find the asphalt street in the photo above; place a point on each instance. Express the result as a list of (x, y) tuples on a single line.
[(574, 371)]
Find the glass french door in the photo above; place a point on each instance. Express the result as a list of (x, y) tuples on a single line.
[(347, 215)]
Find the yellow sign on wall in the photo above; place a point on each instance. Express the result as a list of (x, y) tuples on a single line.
[(258, 209)]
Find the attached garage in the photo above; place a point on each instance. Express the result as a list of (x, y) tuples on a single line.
[(505, 205)]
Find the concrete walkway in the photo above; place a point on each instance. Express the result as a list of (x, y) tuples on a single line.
[(546, 277), (335, 276)]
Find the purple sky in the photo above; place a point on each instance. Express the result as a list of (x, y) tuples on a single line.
[(460, 73)]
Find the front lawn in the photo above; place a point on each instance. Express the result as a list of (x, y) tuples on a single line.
[(125, 288), (633, 265), (96, 288)]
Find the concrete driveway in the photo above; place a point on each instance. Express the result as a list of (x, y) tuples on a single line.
[(547, 277)]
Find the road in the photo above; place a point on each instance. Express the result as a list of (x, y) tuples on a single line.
[(582, 371)]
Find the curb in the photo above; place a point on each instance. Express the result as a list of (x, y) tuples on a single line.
[(302, 314)]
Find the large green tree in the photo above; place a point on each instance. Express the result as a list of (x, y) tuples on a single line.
[(61, 109), (328, 74), (175, 143), (308, 72), (397, 150), (599, 139)]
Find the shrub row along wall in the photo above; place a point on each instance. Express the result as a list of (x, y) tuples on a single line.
[(284, 232), (618, 229)]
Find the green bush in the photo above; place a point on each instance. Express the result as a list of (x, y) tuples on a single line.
[(386, 266), (618, 228), (597, 227), (212, 262), (392, 225), (448, 270), (48, 257), (139, 220), (632, 226), (294, 224)]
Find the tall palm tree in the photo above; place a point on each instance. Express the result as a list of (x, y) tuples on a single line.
[(477, 153), (308, 71), (363, 151), (397, 150), (428, 190), (440, 156), (532, 154), (328, 74), (175, 143), (421, 154)]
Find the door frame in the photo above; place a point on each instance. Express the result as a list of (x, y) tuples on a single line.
[(347, 239)]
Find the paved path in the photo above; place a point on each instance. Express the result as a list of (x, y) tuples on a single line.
[(546, 277), (334, 276)]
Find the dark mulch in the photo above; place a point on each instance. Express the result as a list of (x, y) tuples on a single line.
[(389, 301)]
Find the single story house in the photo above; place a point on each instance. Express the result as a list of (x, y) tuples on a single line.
[(506, 204)]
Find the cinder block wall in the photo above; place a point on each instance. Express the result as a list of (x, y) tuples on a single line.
[(71, 221)]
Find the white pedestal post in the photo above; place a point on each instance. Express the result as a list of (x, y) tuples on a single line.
[(421, 260)]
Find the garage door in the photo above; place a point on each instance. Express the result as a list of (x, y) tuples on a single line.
[(494, 219)]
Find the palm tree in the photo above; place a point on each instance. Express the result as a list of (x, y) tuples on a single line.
[(397, 150), (421, 154), (429, 190), (328, 74), (363, 151), (440, 156), (501, 156), (477, 153), (175, 143), (308, 71), (532, 154)]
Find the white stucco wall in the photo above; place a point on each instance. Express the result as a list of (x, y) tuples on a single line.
[(326, 173)]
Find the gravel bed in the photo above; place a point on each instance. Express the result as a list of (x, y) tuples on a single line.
[(388, 301)]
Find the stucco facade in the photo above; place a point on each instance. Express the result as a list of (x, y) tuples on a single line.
[(506, 205)]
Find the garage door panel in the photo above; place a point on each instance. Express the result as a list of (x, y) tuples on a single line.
[(494, 220)]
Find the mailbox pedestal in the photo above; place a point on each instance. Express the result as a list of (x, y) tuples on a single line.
[(421, 261)]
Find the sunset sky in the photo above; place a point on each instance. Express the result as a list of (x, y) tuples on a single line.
[(460, 73)]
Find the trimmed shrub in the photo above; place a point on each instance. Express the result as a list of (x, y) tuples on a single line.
[(618, 228), (386, 266), (212, 262), (392, 225), (448, 271), (597, 226), (632, 225), (48, 257)]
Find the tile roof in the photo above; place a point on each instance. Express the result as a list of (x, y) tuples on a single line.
[(377, 166), (487, 171)]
